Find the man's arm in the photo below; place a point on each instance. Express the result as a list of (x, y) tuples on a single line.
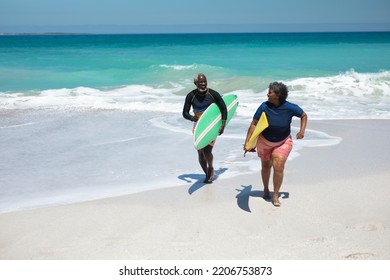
[(187, 107)]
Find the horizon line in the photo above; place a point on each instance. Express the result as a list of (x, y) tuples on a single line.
[(177, 33), (196, 28)]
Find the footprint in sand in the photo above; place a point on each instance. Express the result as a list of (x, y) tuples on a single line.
[(359, 256), (51, 251), (319, 239), (370, 226)]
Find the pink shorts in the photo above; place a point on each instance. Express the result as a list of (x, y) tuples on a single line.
[(266, 149)]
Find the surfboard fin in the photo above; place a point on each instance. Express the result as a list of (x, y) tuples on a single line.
[(251, 151)]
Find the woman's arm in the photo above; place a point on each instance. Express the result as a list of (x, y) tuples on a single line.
[(250, 131), (301, 132)]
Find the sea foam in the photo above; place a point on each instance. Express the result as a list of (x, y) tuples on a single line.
[(349, 95)]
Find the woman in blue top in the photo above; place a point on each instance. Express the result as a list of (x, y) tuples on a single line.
[(275, 143)]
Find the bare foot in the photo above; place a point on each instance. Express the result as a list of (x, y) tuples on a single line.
[(266, 195), (276, 203), (208, 180), (211, 174)]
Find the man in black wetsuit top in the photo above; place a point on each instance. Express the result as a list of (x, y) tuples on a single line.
[(201, 98)]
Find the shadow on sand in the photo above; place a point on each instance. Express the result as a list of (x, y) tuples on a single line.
[(244, 194), (199, 179)]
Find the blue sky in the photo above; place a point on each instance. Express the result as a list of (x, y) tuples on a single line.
[(150, 16)]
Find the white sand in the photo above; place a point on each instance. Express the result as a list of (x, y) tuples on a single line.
[(334, 206)]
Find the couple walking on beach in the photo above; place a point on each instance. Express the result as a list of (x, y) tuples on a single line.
[(274, 143)]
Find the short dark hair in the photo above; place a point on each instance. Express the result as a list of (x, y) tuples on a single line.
[(280, 90)]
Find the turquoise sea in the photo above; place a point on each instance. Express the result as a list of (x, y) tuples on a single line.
[(90, 116)]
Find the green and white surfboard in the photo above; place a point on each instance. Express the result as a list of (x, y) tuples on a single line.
[(210, 122)]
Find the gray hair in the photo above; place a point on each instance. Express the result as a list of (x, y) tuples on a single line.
[(197, 76), (280, 90)]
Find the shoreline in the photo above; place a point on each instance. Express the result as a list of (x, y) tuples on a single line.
[(333, 207)]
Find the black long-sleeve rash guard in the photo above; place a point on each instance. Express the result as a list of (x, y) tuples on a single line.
[(200, 102)]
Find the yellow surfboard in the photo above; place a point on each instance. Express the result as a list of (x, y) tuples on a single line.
[(261, 125)]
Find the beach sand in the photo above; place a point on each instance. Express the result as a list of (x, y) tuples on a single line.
[(334, 207)]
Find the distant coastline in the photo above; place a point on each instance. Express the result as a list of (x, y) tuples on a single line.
[(41, 33), (177, 33), (193, 28)]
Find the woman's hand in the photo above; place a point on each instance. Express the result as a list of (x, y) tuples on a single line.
[(300, 135)]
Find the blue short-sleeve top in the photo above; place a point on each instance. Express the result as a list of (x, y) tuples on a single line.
[(279, 119)]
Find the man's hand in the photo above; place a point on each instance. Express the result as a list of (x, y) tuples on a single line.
[(196, 117), (222, 127)]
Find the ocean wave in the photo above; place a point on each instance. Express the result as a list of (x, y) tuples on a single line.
[(349, 95), (129, 98), (346, 95), (179, 67)]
